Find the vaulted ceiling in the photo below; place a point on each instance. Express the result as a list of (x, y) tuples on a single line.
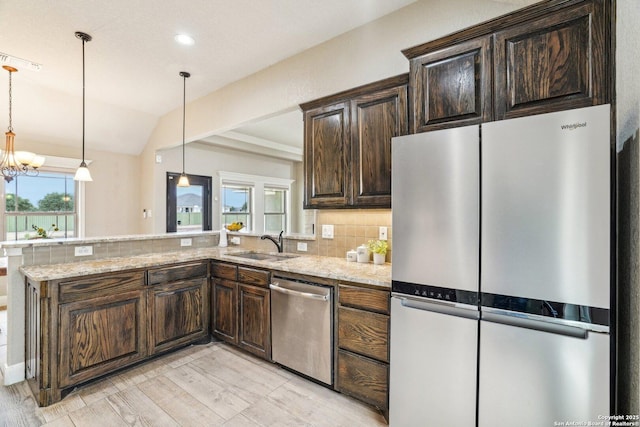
[(132, 63)]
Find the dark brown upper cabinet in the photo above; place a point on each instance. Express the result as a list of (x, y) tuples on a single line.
[(553, 63), (375, 119), (553, 55), (327, 149), (452, 86), (347, 145)]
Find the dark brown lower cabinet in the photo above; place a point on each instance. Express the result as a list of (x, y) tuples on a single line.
[(241, 307), (363, 344), (179, 314), (225, 308), (101, 335), (254, 334), (364, 378), (81, 328)]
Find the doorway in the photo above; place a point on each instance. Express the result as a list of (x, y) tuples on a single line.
[(188, 208)]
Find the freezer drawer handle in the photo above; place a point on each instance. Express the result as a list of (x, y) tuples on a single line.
[(275, 287), (553, 328), (440, 308)]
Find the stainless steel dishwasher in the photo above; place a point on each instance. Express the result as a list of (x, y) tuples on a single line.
[(301, 327)]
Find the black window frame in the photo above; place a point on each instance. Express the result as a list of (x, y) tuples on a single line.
[(172, 205)]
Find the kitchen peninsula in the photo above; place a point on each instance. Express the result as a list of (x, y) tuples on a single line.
[(86, 319)]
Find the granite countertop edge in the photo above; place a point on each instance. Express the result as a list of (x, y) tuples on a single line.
[(311, 265)]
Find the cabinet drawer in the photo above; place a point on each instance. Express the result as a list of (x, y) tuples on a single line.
[(102, 285), (177, 272), (363, 378), (252, 276), (364, 333), (224, 271), (367, 299)]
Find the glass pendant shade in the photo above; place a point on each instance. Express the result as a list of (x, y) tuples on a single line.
[(83, 174), (183, 181)]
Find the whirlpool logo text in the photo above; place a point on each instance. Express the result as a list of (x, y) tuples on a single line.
[(573, 126)]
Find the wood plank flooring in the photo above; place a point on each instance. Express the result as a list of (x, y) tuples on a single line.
[(208, 385)]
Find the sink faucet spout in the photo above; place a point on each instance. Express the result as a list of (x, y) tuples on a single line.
[(279, 243)]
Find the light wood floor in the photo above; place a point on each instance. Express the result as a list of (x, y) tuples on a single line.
[(208, 385)]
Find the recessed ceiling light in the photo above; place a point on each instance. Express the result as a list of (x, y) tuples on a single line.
[(184, 39)]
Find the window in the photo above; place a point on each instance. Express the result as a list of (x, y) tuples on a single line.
[(39, 206), (261, 203), (236, 205), (275, 210)]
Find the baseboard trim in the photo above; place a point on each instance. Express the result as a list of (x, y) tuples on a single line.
[(13, 374)]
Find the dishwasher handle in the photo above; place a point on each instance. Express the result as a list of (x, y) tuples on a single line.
[(275, 287)]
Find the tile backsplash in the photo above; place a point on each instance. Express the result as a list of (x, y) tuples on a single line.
[(351, 228)]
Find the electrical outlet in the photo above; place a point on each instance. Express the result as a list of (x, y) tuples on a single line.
[(327, 231), (382, 233), (83, 250), (185, 242), (235, 240), (302, 247)]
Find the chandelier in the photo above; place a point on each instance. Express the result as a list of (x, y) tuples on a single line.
[(14, 163)]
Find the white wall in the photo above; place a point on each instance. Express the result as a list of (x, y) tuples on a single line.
[(208, 161), (366, 54), (112, 199)]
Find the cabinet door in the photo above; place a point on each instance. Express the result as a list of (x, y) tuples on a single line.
[(451, 87), (553, 63), (255, 320), (224, 310), (375, 119), (100, 335), (179, 314), (327, 149)]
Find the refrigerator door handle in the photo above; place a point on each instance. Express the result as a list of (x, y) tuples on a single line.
[(553, 328), (440, 307)]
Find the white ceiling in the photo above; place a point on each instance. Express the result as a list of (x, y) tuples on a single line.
[(132, 63)]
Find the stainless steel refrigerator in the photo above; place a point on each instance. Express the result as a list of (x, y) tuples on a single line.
[(501, 272)]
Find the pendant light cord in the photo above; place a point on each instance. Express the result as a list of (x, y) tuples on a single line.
[(184, 107), (10, 98), (83, 109)]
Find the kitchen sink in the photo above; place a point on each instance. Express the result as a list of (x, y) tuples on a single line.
[(263, 256)]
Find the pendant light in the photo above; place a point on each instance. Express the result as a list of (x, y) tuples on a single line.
[(14, 163), (184, 180), (83, 174)]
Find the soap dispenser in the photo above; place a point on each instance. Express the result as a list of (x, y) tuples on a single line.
[(223, 238)]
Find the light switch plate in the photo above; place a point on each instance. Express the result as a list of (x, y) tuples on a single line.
[(302, 247), (235, 240), (83, 250), (327, 231), (185, 242)]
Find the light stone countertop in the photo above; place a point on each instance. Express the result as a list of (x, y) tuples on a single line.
[(325, 267)]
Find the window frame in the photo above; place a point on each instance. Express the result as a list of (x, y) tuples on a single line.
[(283, 213), (78, 206), (259, 183)]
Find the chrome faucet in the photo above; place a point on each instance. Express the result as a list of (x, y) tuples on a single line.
[(279, 243)]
